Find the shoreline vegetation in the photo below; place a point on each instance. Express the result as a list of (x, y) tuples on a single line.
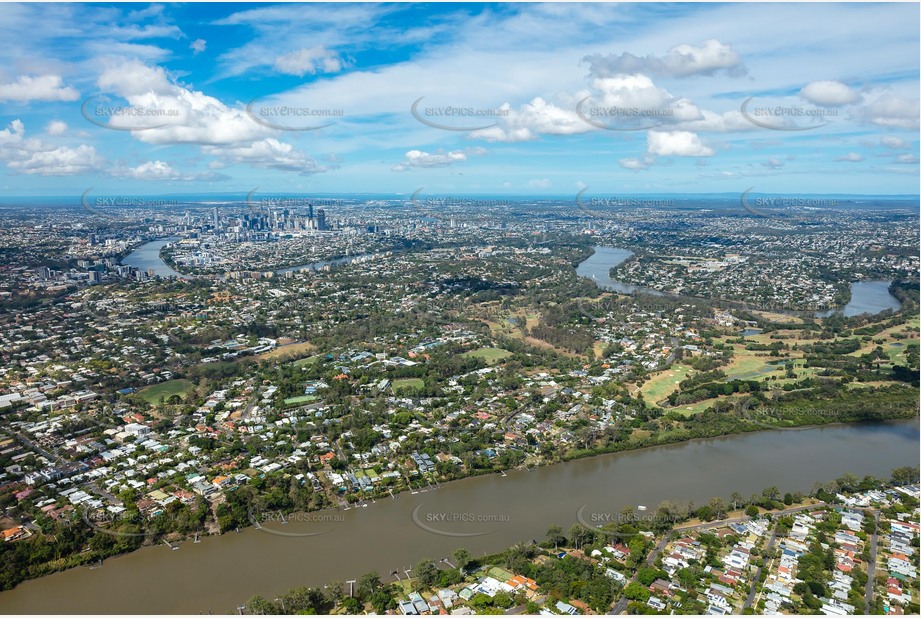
[(566, 554), (841, 300), (134, 537)]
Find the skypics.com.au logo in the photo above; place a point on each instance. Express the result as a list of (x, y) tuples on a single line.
[(621, 525), (271, 522), (779, 207), (609, 207), (437, 207), (786, 117), (454, 117), (459, 523), (282, 117), (105, 207), (619, 118), (100, 111), (267, 203)]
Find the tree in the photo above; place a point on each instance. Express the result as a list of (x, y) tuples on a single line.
[(335, 590), (705, 513), (480, 602), (351, 605), (579, 535), (689, 576), (502, 599), (737, 499), (848, 482), (751, 510), (905, 475), (426, 573), (647, 575), (306, 600), (462, 557), (382, 600), (636, 591), (719, 507), (449, 577), (555, 535), (368, 584), (261, 606)]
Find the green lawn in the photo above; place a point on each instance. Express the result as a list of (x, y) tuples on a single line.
[(693, 408), (663, 383), (152, 394), (408, 384), (501, 574), (294, 401), (306, 361), (490, 355), (751, 368), (896, 353)]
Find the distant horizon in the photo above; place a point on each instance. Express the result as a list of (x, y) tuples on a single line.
[(429, 195)]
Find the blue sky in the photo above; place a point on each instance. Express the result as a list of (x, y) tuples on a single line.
[(542, 99)]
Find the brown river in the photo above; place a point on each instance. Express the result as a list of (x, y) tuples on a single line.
[(483, 514)]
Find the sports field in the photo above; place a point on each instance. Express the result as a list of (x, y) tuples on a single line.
[(152, 394), (490, 355)]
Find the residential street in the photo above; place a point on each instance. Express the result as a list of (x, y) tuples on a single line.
[(871, 568), (621, 605)]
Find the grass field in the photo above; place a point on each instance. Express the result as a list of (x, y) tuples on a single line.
[(896, 353), (747, 367), (490, 355), (307, 361), (779, 318), (294, 401), (663, 383), (294, 349), (599, 348), (167, 389), (408, 384), (694, 408)]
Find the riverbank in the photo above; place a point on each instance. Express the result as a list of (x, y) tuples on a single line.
[(628, 547), (386, 535), (148, 256), (708, 427), (871, 297)]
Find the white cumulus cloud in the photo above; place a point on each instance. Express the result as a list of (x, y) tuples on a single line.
[(37, 88), (681, 61), (635, 164), (829, 93), (851, 157), (33, 156), (56, 127), (894, 112), (418, 158), (676, 143), (269, 153), (308, 61), (161, 170)]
